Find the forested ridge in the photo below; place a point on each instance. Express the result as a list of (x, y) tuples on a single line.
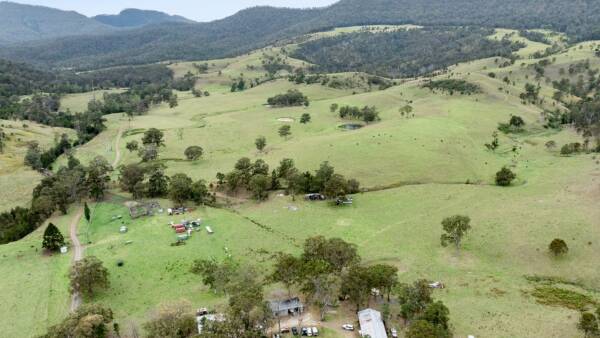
[(404, 53), (257, 27)]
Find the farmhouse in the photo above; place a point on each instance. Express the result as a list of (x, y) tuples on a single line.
[(288, 307), (371, 324)]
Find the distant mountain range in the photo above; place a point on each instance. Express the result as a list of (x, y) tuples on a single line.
[(23, 23), (137, 18), (260, 26)]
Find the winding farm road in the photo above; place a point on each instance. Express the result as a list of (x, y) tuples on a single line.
[(78, 249)]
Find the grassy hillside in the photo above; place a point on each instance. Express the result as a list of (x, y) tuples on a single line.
[(17, 180), (417, 169)]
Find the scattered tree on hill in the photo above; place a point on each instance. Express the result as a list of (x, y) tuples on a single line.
[(588, 323), (88, 275), (172, 320), (193, 153), (86, 212), (305, 118), (154, 137), (495, 142), (132, 146), (215, 275), (180, 189), (261, 143), (406, 110), (285, 131), (53, 239), (515, 124), (148, 153), (88, 321), (98, 177), (558, 247), (505, 177), (334, 107), (455, 228)]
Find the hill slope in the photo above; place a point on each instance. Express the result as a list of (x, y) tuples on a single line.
[(136, 18), (19, 23), (260, 26)]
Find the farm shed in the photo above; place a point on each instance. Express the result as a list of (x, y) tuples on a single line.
[(371, 324), (288, 307)]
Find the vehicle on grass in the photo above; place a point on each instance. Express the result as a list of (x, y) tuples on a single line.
[(294, 331), (348, 327), (394, 333), (315, 332), (285, 330)]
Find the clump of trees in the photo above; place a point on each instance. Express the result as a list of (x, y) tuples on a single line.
[(452, 86), (293, 97), (366, 114), (505, 177), (531, 93), (255, 177), (56, 192), (247, 313), (305, 118), (588, 323), (87, 321), (149, 180), (571, 148)]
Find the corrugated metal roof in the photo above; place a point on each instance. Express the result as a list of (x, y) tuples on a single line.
[(371, 324)]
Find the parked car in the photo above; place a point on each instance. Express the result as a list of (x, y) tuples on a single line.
[(304, 331), (294, 331), (348, 327), (276, 336), (309, 332), (285, 330), (315, 332), (394, 333)]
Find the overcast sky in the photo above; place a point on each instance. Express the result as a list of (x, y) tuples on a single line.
[(200, 10)]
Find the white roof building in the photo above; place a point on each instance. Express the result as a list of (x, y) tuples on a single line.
[(371, 324)]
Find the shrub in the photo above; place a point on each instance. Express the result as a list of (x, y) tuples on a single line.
[(505, 177), (193, 153), (558, 247)]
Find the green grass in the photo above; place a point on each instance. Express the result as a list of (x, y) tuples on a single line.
[(16, 180), (416, 168), (34, 290), (78, 103)]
